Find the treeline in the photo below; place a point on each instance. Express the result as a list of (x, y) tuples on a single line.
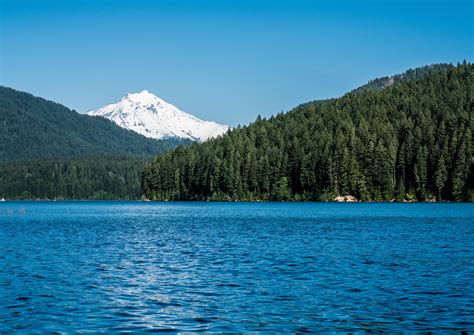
[(92, 177), (409, 141)]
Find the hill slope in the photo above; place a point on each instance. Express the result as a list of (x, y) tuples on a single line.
[(410, 140), (32, 127), (48, 151)]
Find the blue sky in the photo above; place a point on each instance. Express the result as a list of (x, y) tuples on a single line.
[(226, 61)]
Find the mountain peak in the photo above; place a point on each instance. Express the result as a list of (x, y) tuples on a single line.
[(151, 116), (143, 96)]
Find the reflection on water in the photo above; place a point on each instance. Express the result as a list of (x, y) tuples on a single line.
[(219, 267)]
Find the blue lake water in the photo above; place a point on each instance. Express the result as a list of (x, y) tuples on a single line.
[(235, 267)]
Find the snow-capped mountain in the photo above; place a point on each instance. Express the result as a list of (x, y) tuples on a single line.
[(147, 114)]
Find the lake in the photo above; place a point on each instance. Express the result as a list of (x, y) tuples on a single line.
[(236, 267)]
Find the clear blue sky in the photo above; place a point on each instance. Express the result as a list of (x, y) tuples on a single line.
[(226, 61)]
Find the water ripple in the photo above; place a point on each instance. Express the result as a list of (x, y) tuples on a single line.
[(130, 267)]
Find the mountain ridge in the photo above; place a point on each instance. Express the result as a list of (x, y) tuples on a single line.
[(32, 127), (416, 73)]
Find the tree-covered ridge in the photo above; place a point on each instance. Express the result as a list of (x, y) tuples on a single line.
[(382, 83), (410, 140), (32, 127), (91, 177)]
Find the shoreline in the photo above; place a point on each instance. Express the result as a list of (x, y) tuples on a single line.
[(226, 201)]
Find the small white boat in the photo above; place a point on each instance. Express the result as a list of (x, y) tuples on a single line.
[(2, 199)]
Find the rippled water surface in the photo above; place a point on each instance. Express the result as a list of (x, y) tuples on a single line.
[(235, 267)]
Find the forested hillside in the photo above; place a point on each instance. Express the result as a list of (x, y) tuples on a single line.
[(49, 151), (411, 140), (32, 127)]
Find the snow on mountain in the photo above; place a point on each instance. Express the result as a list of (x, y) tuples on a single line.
[(147, 114)]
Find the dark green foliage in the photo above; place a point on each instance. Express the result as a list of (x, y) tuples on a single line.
[(411, 140), (93, 177), (68, 155), (32, 127)]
